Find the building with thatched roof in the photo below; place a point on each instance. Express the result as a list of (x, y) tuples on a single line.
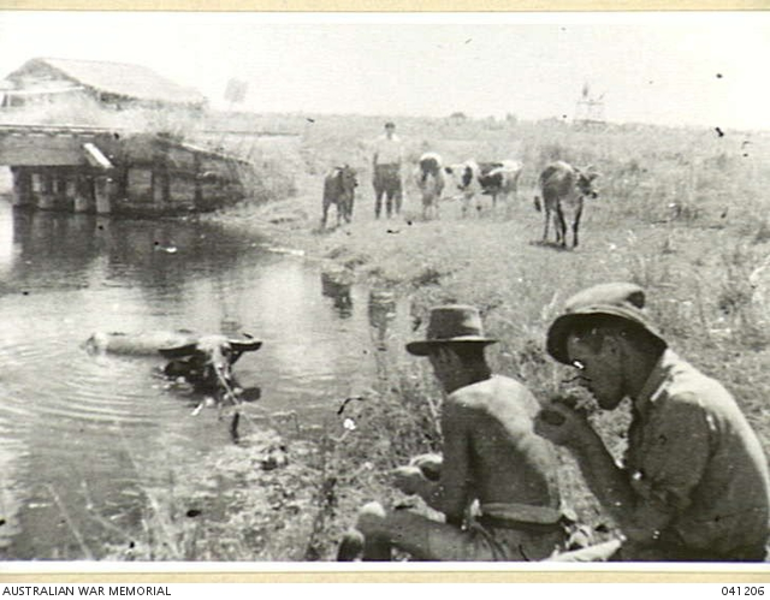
[(42, 81)]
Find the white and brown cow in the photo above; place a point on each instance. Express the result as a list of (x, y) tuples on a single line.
[(464, 183), (500, 179), (496, 179), (564, 187), (429, 177)]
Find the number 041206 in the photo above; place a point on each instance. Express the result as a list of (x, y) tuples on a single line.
[(743, 590)]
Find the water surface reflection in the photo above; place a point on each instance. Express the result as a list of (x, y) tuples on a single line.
[(81, 436)]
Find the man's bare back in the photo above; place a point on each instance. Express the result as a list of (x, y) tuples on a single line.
[(509, 462), (490, 453)]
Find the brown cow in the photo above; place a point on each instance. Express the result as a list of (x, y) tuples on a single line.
[(564, 187)]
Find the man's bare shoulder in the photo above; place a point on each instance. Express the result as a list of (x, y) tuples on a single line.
[(479, 395)]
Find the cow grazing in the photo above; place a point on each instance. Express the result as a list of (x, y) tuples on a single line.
[(339, 189), (429, 177), (563, 188)]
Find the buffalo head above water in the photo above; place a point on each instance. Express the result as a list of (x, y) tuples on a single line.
[(206, 363)]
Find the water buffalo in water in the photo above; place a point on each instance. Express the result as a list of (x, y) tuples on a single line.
[(203, 361), (339, 189)]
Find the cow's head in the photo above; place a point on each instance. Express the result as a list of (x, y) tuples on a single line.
[(462, 175), (348, 179), (207, 363), (585, 182)]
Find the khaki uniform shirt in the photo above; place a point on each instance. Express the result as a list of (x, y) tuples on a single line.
[(692, 453)]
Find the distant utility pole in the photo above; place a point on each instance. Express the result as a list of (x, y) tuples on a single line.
[(589, 110)]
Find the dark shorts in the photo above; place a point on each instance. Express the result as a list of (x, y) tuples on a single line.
[(387, 180)]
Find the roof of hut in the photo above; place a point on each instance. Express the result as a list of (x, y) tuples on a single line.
[(121, 79)]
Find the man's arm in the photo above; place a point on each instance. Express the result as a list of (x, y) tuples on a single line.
[(450, 495), (641, 503)]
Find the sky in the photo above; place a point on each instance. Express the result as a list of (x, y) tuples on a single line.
[(696, 68)]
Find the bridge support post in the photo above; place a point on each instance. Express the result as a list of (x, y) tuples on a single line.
[(46, 199), (22, 187), (84, 199), (103, 193)]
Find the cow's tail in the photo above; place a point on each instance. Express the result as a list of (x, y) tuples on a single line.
[(538, 206)]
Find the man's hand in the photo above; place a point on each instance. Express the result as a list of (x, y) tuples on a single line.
[(560, 423), (410, 480), (429, 464)]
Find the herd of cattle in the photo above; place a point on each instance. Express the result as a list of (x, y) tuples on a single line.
[(563, 188)]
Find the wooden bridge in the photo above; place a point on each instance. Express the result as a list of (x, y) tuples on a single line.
[(112, 171)]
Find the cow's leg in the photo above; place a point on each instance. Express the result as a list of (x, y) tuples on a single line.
[(576, 226), (547, 211), (561, 227)]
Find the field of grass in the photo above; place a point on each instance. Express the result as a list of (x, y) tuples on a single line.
[(683, 212)]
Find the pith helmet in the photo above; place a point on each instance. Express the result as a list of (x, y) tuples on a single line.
[(451, 324), (620, 300)]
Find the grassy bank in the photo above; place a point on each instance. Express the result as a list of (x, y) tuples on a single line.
[(681, 212)]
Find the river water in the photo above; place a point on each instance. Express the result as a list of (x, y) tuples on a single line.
[(82, 435)]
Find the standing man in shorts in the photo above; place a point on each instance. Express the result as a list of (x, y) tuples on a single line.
[(386, 163), (491, 454)]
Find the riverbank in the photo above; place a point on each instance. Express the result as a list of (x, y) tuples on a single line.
[(667, 218), (695, 271)]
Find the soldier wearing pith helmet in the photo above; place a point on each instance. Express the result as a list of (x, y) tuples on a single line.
[(490, 454), (694, 482)]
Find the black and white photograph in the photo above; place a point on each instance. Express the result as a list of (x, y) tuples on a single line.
[(461, 288)]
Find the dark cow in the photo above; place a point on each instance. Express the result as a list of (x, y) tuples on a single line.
[(429, 177), (564, 187), (339, 189)]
